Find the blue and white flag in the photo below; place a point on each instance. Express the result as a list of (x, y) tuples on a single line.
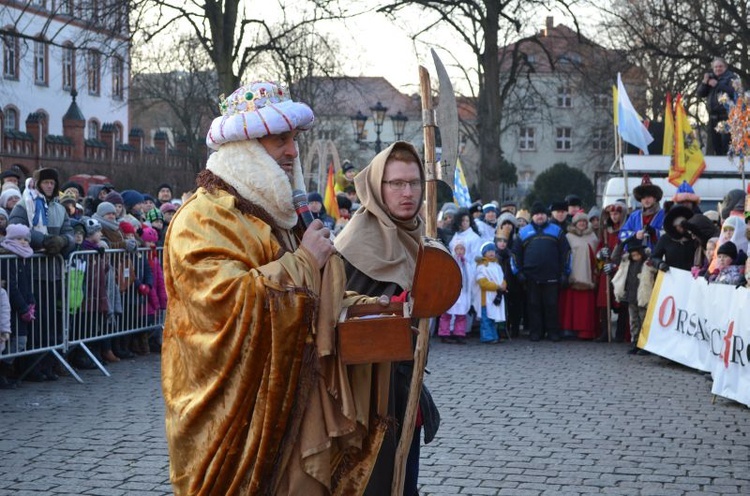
[(629, 124), (460, 189)]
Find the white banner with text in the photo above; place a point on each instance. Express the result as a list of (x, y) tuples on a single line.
[(703, 326)]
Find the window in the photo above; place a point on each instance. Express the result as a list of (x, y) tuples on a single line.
[(93, 130), (93, 69), (118, 68), (40, 62), (563, 141), (68, 67), (66, 7), (602, 100), (600, 139), (11, 50), (11, 119), (563, 97), (526, 140)]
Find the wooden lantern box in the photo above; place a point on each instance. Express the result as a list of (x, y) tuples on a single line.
[(374, 333)]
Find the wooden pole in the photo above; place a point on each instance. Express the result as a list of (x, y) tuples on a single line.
[(420, 351)]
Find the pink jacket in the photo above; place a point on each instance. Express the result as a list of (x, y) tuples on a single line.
[(157, 297)]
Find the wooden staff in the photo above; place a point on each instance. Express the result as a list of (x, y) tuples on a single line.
[(420, 351)]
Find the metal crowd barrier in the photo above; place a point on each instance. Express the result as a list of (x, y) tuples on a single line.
[(88, 297)]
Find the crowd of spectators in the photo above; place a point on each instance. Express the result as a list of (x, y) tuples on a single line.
[(115, 282)]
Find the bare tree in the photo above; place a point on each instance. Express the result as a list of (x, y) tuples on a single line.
[(178, 93), (675, 40), (236, 35), (477, 24)]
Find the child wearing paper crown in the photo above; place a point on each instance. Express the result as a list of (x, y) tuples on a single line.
[(457, 313), (491, 282)]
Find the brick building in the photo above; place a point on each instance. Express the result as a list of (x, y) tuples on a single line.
[(64, 95)]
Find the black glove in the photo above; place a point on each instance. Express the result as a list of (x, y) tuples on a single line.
[(740, 285), (498, 299), (663, 266), (650, 231), (54, 245), (101, 250), (609, 268), (603, 254)]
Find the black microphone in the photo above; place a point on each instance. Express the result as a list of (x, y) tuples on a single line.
[(299, 199)]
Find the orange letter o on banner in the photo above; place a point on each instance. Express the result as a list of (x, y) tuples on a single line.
[(668, 303)]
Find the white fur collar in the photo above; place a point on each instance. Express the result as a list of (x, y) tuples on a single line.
[(247, 167)]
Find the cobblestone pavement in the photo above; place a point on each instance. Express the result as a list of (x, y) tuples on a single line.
[(518, 418)]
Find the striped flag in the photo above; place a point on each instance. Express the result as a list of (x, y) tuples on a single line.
[(329, 198), (460, 189)]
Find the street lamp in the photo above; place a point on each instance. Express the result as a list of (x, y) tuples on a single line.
[(358, 122), (399, 123), (378, 114)]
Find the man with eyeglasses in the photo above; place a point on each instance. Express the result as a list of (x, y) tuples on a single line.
[(380, 247)]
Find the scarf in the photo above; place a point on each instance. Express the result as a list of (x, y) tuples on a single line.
[(250, 170), (383, 248), (15, 246), (112, 226)]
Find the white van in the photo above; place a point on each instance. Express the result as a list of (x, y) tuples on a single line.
[(720, 176)]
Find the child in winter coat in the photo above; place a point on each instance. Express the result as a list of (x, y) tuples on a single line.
[(726, 272), (633, 283), (491, 281), (157, 296), (457, 313)]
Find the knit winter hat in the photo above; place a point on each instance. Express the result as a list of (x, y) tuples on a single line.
[(91, 225), (538, 208), (114, 198), (347, 166), (4, 213), (7, 195), (168, 207), (149, 235), (72, 185), (314, 196), (131, 197), (256, 110), (728, 248), (105, 208), (573, 200), (558, 205), (18, 231), (154, 214), (164, 185), (488, 246), (578, 217), (490, 207), (126, 227), (595, 212)]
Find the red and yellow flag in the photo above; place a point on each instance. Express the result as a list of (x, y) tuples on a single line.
[(329, 198), (687, 162)]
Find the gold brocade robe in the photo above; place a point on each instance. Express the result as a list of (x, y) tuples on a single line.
[(255, 403)]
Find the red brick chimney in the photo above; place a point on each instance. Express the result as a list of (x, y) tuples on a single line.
[(161, 143)]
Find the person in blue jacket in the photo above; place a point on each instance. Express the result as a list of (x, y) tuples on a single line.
[(541, 260), (645, 223)]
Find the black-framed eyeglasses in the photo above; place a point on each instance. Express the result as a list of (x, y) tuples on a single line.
[(400, 185)]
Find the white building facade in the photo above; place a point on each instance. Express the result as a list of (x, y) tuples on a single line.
[(55, 49)]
